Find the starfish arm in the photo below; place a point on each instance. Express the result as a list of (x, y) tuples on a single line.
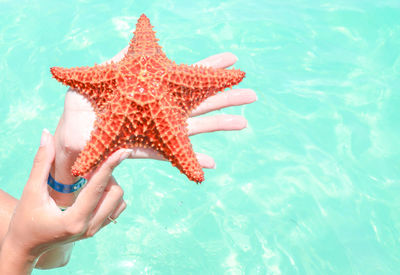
[(102, 144), (193, 84), (144, 41), (182, 156), (178, 150), (173, 141), (94, 82)]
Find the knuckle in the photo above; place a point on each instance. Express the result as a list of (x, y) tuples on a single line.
[(67, 148), (119, 192), (69, 142), (123, 206), (76, 228), (90, 232), (99, 189)]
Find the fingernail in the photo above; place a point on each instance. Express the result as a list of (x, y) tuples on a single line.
[(256, 96), (125, 154), (45, 137), (244, 125)]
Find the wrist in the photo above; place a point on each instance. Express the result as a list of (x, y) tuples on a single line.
[(15, 259), (61, 176), (65, 188), (65, 156), (61, 168), (61, 172)]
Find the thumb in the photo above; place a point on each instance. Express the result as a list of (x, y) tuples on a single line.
[(42, 162)]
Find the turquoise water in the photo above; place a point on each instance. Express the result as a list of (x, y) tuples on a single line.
[(310, 187)]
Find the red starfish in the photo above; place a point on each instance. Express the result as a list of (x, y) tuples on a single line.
[(144, 100)]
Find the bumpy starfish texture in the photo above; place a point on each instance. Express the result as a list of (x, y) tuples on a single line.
[(144, 100)]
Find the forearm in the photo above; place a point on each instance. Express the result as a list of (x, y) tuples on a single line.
[(59, 256), (61, 170), (11, 260), (7, 206), (14, 261), (53, 258)]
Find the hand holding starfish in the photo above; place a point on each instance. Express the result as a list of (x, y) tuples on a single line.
[(77, 120), (34, 227), (144, 100)]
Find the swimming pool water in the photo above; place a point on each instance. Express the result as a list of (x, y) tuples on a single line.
[(310, 187)]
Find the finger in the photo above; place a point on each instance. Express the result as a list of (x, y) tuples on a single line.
[(112, 198), (121, 207), (222, 60), (91, 194), (225, 99), (205, 161), (42, 164), (198, 125)]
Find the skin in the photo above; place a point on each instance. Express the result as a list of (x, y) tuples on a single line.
[(38, 225), (78, 221)]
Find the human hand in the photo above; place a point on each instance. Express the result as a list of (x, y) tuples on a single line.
[(78, 118), (38, 225)]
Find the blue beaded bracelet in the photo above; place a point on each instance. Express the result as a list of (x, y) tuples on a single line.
[(65, 188)]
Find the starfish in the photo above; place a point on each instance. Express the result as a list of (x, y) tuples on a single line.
[(144, 100)]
